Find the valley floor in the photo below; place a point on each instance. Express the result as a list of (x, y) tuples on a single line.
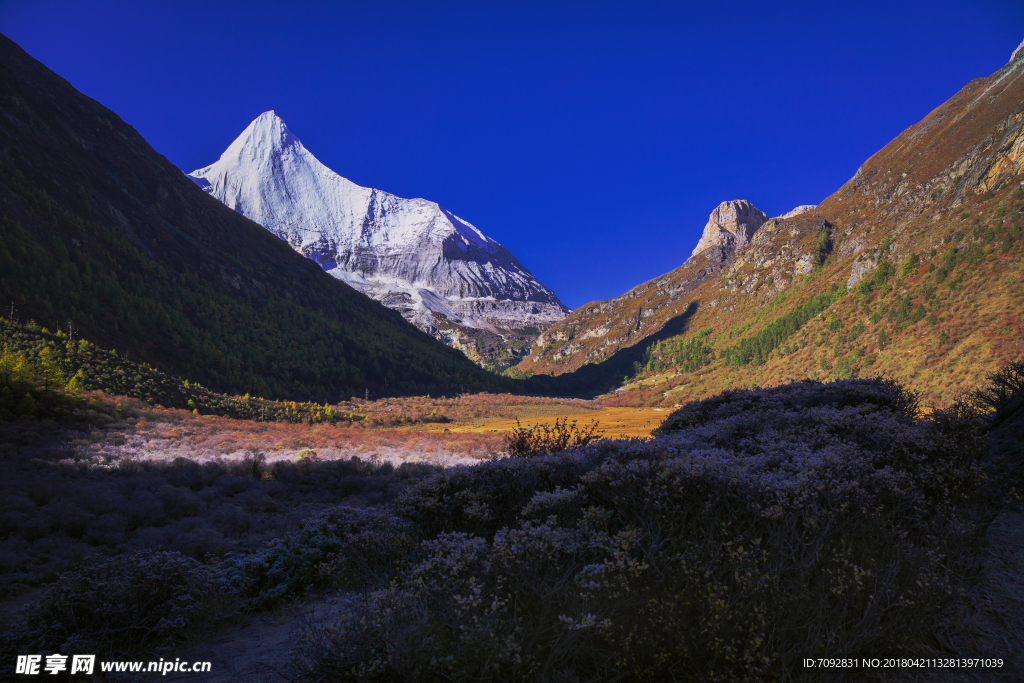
[(120, 431), (988, 622), (469, 429), (118, 474), (614, 421)]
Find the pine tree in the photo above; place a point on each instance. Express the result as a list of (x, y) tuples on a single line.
[(77, 383), (48, 370), (7, 361), (15, 371), (908, 266)]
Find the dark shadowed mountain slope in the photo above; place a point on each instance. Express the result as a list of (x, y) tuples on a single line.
[(99, 230), (913, 269)]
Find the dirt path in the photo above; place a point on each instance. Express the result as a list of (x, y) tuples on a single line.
[(258, 650)]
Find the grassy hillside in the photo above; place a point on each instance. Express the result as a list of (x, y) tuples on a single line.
[(102, 236), (941, 318), (911, 270)]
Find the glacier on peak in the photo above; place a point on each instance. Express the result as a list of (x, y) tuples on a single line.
[(410, 254)]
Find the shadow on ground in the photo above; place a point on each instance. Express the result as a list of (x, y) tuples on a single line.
[(595, 379)]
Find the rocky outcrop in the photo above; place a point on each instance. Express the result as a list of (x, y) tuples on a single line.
[(860, 268), (732, 224), (803, 265), (803, 208), (1019, 52)]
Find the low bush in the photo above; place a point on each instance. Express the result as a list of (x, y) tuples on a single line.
[(343, 547), (759, 528), (146, 601), (1002, 401), (791, 398), (1004, 385), (55, 512)]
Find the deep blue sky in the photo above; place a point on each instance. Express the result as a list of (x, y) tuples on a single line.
[(590, 138)]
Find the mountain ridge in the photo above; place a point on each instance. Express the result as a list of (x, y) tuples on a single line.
[(101, 235), (438, 270), (925, 236)]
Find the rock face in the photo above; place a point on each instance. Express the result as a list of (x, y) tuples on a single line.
[(730, 225), (1019, 52), (858, 270), (804, 264), (803, 208), (412, 255)]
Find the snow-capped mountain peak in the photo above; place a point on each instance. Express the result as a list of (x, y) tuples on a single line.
[(410, 254), (267, 133)]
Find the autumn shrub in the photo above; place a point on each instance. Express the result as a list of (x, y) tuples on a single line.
[(1001, 405), (759, 528), (144, 602), (253, 463), (464, 615), (524, 442), (806, 394), (488, 497)]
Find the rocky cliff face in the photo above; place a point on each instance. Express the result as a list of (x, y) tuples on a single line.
[(803, 208), (439, 271), (1019, 52), (731, 225)]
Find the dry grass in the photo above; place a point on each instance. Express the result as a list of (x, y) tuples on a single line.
[(392, 431), (159, 434), (615, 422), (468, 408)]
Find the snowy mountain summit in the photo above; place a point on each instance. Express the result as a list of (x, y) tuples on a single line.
[(412, 255)]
